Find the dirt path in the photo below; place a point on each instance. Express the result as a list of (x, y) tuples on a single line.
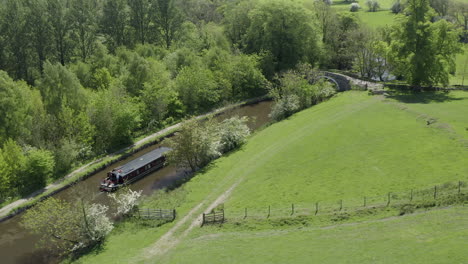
[(171, 238)]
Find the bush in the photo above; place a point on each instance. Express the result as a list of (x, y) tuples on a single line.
[(285, 107), (354, 7), (233, 132)]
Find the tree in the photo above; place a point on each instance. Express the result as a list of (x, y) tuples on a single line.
[(15, 30), (114, 117), (114, 21), (237, 21), (339, 42), (19, 106), (140, 19), (197, 89), (423, 51), (202, 11), (441, 6), (59, 19), (6, 191), (67, 226), (397, 7), (15, 160), (460, 13), (373, 5), (159, 98), (168, 19), (39, 30), (39, 168), (284, 29), (60, 87), (83, 13), (195, 145)]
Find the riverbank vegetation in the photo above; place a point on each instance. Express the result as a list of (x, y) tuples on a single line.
[(305, 159), (68, 227)]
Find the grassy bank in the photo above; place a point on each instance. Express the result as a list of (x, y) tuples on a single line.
[(432, 237), (352, 146)]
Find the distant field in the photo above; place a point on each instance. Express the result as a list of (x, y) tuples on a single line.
[(437, 236), (344, 6), (461, 74), (377, 19), (352, 146)]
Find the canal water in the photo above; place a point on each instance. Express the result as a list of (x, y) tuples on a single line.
[(18, 246)]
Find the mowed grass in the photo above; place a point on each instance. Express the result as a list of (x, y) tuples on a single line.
[(377, 19), (351, 146), (438, 236), (461, 74), (450, 111)]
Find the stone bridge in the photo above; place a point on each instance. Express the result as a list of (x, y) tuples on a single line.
[(345, 83)]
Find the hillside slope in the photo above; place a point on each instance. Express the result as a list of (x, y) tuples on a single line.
[(351, 146)]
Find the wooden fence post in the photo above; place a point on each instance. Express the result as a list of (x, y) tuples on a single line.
[(245, 215), (222, 221), (173, 214), (269, 210), (316, 208), (292, 209), (388, 201), (411, 197), (459, 187), (203, 221), (435, 192), (341, 204), (365, 201)]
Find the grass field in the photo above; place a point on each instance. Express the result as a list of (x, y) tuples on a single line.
[(351, 146), (433, 237), (461, 75)]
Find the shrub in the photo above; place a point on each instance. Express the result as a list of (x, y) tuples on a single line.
[(354, 7), (233, 132), (285, 107), (125, 200)]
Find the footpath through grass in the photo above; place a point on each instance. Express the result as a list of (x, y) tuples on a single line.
[(352, 146)]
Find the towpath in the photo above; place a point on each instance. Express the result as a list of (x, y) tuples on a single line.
[(6, 210)]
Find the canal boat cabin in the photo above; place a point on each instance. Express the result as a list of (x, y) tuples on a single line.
[(134, 169)]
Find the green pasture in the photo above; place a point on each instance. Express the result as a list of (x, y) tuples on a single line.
[(449, 111), (351, 146), (461, 74), (437, 236)]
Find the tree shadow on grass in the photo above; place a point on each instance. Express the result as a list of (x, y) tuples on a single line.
[(424, 97)]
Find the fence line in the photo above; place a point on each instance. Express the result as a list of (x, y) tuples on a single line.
[(155, 214), (213, 217), (435, 193)]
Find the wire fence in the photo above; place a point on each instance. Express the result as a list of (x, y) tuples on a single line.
[(448, 193)]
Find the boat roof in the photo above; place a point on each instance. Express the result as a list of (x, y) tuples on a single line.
[(142, 160)]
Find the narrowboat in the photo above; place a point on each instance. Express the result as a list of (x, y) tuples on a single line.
[(134, 169)]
